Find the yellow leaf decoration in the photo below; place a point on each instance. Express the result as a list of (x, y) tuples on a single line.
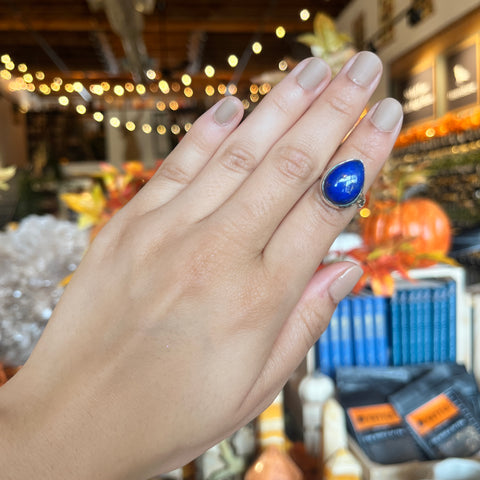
[(327, 43), (90, 206), (6, 174), (325, 36)]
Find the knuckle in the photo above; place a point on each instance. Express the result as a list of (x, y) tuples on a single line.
[(294, 163), (340, 105), (313, 322), (281, 104), (238, 159), (173, 172)]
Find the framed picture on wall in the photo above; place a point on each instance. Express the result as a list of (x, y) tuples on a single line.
[(462, 75), (416, 93)]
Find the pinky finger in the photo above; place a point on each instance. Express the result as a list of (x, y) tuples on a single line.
[(191, 154), (304, 326)]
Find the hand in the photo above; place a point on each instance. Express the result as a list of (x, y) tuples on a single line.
[(196, 302)]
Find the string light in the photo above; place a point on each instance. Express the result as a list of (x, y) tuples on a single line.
[(146, 128), (232, 60), (209, 71), (280, 31), (140, 89), (96, 89), (130, 126), (163, 86), (175, 129), (304, 14), (26, 82), (118, 90), (115, 122), (257, 47), (186, 79), (77, 86), (45, 89)]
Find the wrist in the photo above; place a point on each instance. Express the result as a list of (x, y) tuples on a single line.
[(38, 437)]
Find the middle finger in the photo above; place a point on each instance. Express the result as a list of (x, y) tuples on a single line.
[(299, 157)]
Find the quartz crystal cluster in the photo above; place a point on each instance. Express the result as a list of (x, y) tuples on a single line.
[(34, 259)]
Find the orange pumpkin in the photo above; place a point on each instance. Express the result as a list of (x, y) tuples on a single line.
[(421, 221)]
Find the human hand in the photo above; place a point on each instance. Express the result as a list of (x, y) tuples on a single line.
[(198, 299)]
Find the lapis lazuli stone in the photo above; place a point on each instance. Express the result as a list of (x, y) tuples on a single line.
[(343, 184)]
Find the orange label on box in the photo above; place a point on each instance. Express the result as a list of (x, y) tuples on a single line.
[(371, 416), (433, 413)]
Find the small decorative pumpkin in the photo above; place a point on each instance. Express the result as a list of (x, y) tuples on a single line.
[(419, 220)]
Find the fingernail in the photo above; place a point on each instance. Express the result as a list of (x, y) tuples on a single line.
[(364, 69), (387, 115), (313, 74), (226, 111), (344, 284)]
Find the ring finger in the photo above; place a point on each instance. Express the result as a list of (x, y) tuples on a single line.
[(371, 141)]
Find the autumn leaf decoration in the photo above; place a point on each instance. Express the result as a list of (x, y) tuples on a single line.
[(112, 190), (399, 234)]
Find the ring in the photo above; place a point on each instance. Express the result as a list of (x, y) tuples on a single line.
[(342, 185)]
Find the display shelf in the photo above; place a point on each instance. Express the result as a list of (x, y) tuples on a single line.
[(463, 318)]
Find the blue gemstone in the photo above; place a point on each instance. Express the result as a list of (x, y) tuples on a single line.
[(343, 184)]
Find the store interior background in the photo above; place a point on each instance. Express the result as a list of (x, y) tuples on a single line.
[(55, 149)]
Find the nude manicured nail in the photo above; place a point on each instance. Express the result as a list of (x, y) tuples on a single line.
[(344, 284), (313, 74), (226, 111), (387, 115), (365, 69)]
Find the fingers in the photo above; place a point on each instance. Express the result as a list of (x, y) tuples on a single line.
[(191, 154), (297, 160), (320, 223), (304, 326), (245, 148)]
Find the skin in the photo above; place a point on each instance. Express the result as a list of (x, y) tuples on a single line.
[(198, 300)]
